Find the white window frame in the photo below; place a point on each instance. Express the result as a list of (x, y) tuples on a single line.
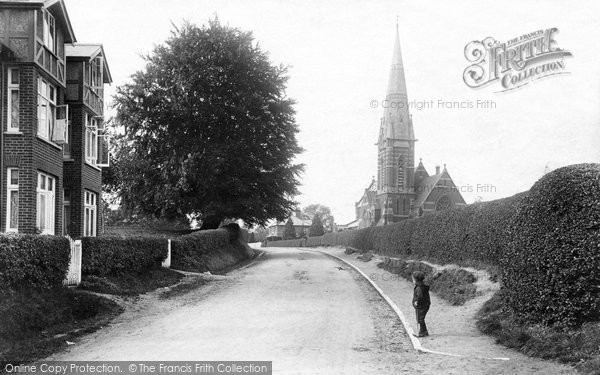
[(10, 187), (91, 140), (47, 106), (12, 87), (49, 32), (90, 213), (47, 190)]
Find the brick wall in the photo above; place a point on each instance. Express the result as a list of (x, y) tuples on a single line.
[(30, 154)]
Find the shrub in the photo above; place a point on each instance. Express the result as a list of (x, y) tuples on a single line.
[(551, 266), (207, 250), (33, 261), (118, 255)]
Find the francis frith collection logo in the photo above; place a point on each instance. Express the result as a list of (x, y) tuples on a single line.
[(514, 63)]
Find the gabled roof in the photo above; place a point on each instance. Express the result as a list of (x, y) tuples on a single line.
[(296, 221), (58, 7), (90, 51), (426, 187)]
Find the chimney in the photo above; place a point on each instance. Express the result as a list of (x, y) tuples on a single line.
[(437, 169), (298, 214)]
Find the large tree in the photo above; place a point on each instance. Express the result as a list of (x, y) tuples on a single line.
[(209, 132), (324, 212)]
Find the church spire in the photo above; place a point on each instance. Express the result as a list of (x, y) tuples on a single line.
[(397, 82), (396, 122)]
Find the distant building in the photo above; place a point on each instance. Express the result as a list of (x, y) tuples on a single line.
[(301, 224), (400, 191)]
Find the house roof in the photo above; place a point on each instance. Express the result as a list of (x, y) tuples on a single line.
[(90, 51), (296, 221), (59, 7)]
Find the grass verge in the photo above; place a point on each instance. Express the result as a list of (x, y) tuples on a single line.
[(579, 347), (131, 285), (37, 323), (454, 285)]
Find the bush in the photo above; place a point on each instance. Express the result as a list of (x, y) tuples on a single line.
[(551, 266), (33, 261), (208, 250), (118, 255), (580, 347), (454, 285)]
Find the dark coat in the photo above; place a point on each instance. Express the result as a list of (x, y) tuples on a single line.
[(421, 296)]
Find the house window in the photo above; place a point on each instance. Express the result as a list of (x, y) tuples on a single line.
[(45, 203), (66, 212), (49, 32), (90, 209), (12, 204), (46, 108), (91, 140), (13, 100)]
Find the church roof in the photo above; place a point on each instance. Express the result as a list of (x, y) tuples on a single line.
[(426, 187)]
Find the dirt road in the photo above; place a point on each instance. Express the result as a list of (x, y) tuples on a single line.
[(302, 310)]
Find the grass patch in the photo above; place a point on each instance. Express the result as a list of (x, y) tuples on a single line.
[(36, 323), (454, 285), (579, 347), (131, 285)]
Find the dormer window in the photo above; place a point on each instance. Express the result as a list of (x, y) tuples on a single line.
[(49, 32)]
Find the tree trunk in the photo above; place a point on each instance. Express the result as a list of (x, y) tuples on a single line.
[(211, 222)]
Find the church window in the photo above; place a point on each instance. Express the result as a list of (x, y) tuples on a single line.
[(401, 173)]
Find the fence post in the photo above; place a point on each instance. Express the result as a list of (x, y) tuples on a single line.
[(73, 276), (167, 262)]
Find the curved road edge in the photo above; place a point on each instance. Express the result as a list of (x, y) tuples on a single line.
[(409, 331)]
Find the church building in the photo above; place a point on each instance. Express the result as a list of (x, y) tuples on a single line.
[(400, 191)]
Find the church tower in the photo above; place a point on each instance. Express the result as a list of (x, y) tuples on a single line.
[(396, 148)]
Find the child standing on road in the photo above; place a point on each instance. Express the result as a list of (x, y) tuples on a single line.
[(421, 302)]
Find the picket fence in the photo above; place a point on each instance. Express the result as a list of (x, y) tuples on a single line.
[(73, 277)]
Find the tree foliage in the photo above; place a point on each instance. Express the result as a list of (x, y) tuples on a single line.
[(289, 232), (209, 131), (316, 227), (324, 212)]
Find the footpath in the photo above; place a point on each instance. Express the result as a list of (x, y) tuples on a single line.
[(452, 328)]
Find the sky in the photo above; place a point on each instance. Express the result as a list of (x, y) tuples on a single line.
[(339, 54)]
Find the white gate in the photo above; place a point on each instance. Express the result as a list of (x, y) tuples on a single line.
[(74, 272), (167, 262)]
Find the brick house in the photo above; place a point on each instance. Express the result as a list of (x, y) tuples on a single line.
[(301, 224), (52, 143)]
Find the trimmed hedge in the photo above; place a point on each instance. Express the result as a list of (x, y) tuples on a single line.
[(472, 235), (32, 261), (551, 267), (209, 250), (118, 255)]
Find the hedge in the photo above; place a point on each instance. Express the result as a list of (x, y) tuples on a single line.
[(32, 261), (209, 250), (551, 268), (118, 255)]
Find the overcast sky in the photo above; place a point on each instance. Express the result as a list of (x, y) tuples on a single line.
[(340, 54)]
